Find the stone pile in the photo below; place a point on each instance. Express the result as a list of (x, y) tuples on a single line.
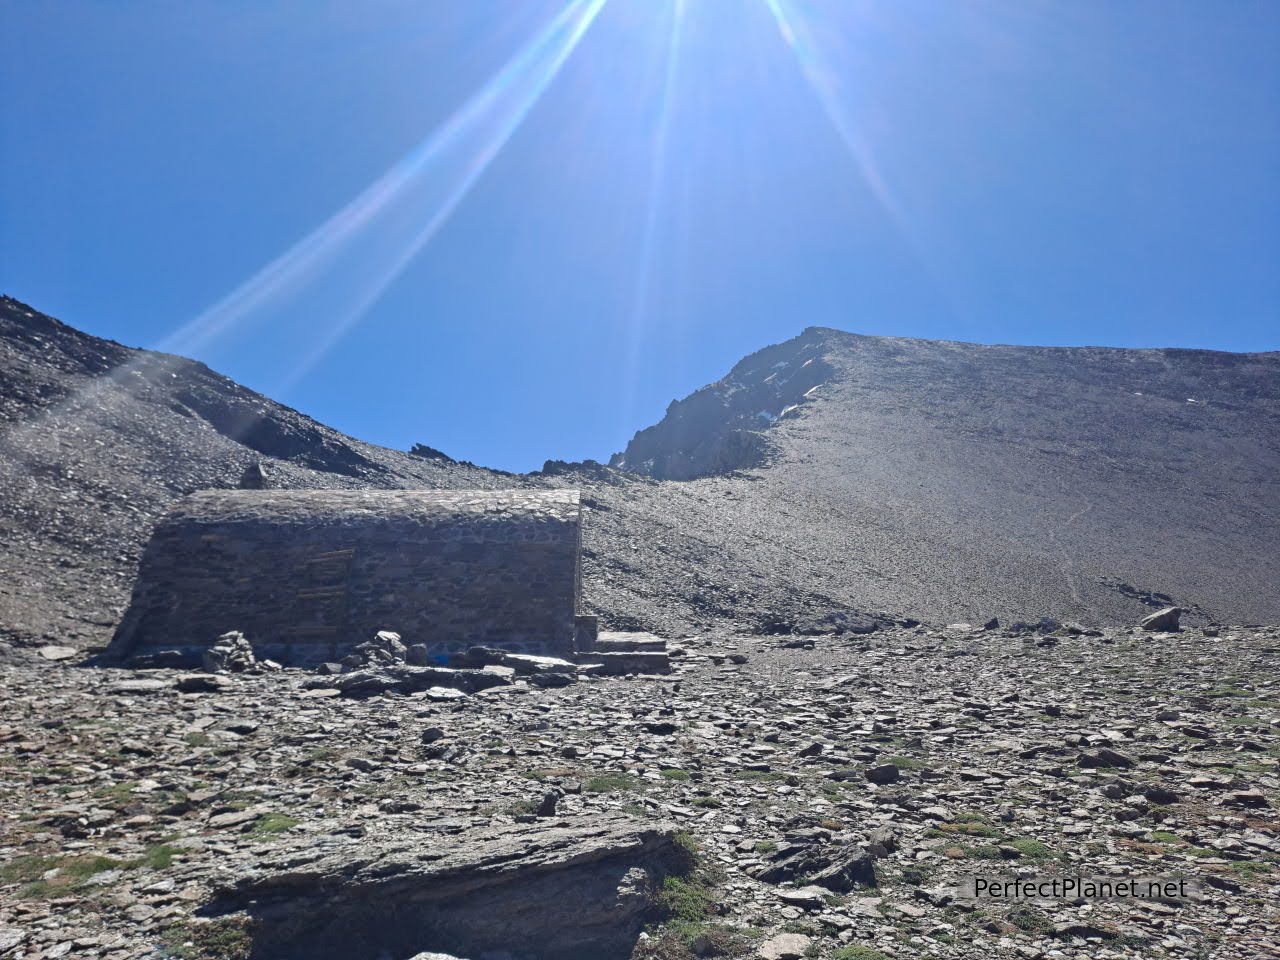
[(230, 653)]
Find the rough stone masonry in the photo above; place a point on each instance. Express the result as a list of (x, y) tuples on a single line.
[(308, 574)]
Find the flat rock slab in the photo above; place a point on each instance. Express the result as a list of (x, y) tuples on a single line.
[(521, 663), (202, 682), (613, 641), (641, 661), (132, 687), (786, 946), (565, 891)]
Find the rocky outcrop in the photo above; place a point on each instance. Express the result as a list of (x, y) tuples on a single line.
[(722, 427), (1166, 619), (558, 891)]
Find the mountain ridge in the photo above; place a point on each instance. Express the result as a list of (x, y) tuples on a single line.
[(891, 477)]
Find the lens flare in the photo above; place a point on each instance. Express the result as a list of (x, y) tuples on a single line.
[(648, 231), (396, 216), (463, 150), (797, 35), (350, 260)]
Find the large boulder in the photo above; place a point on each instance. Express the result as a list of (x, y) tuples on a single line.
[(837, 866), (1166, 619), (546, 888)]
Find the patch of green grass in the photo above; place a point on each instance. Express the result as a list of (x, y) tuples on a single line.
[(710, 803), (1164, 836), (33, 867), (1204, 852), (969, 829), (1029, 919), (904, 763), (766, 846), (611, 783), (859, 952), (690, 939), (72, 872), (981, 852), (228, 938), (689, 895), (1250, 766), (1228, 690), (1030, 849), (673, 773), (118, 793), (686, 842), (159, 856), (197, 738), (1251, 868), (272, 823), (685, 898)]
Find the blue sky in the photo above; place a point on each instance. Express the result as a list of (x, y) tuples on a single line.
[(567, 214)]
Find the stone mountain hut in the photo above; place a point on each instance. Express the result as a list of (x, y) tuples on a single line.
[(306, 575)]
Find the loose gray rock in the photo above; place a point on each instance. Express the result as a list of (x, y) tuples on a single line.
[(883, 773), (786, 946), (542, 888), (1166, 619), (201, 682)]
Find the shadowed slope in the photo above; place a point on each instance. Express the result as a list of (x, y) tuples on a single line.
[(96, 440)]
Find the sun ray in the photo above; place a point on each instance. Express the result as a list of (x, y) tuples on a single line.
[(658, 154), (481, 126), (489, 120), (469, 140), (797, 35)]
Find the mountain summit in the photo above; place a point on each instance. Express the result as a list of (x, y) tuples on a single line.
[(963, 479)]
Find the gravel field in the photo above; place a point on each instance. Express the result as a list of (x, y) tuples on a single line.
[(835, 790)]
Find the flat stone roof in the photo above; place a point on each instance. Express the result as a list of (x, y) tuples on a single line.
[(351, 507)]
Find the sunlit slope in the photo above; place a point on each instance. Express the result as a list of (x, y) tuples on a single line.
[(965, 481)]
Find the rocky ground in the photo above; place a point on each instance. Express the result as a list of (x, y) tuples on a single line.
[(832, 793)]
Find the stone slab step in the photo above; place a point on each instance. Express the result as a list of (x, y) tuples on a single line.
[(620, 642), (631, 661)]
